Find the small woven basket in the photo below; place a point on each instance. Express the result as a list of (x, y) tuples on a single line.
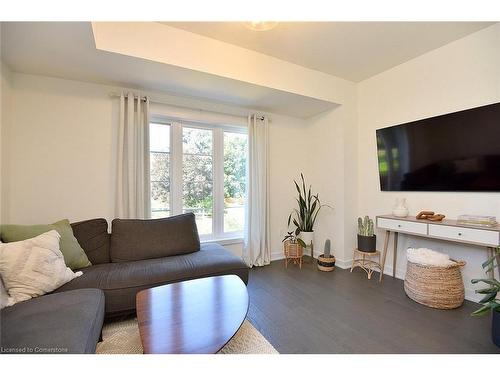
[(326, 264), (292, 250), (437, 287)]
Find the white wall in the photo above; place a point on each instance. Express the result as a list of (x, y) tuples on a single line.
[(460, 75), (2, 115), (60, 151), (62, 144), (288, 157), (330, 165), (5, 115)]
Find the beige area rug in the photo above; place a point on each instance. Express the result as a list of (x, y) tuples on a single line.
[(122, 337)]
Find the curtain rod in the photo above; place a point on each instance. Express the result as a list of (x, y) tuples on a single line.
[(116, 95), (143, 98)]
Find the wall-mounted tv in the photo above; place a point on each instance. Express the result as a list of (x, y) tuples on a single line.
[(458, 151)]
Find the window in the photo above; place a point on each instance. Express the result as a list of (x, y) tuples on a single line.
[(200, 169), (235, 157), (159, 146), (198, 177)]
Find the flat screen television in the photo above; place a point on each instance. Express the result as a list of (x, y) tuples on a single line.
[(458, 151)]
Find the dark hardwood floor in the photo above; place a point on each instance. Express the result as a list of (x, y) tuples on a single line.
[(308, 311)]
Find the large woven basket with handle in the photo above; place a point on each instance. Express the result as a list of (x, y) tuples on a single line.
[(433, 286)]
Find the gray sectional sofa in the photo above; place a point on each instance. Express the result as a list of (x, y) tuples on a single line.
[(138, 254), (57, 323)]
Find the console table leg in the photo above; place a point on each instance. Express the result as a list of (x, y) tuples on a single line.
[(395, 255), (386, 244), (491, 273), (497, 252)]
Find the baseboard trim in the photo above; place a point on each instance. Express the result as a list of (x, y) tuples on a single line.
[(343, 264), (277, 256)]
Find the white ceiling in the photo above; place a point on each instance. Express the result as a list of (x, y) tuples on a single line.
[(350, 50), (67, 50)]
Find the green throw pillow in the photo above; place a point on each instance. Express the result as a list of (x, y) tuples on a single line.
[(74, 256)]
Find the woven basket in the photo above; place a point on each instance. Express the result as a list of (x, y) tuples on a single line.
[(437, 287), (326, 264), (292, 250)]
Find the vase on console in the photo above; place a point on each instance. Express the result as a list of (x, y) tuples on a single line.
[(400, 209)]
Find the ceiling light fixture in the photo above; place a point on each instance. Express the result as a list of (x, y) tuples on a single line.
[(261, 25)]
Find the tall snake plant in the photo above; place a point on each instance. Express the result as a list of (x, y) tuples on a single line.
[(309, 206)]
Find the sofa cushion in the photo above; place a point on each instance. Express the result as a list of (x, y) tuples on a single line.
[(69, 322), (93, 237), (74, 256), (121, 281), (133, 239)]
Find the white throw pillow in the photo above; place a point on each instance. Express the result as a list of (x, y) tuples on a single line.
[(429, 257), (33, 267)]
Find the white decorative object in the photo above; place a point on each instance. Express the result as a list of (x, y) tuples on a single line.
[(400, 209), (33, 267), (429, 257)]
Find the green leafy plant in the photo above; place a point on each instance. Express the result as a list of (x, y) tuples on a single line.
[(489, 301), (293, 239), (309, 206)]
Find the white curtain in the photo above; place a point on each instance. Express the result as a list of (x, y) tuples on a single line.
[(133, 188), (256, 248)]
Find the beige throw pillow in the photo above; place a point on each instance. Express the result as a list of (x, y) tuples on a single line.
[(33, 267)]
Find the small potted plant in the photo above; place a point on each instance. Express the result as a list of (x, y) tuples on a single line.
[(294, 239), (367, 241), (326, 261), (293, 248), (490, 301)]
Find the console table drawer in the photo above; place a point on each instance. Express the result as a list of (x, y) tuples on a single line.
[(402, 226), (479, 236)]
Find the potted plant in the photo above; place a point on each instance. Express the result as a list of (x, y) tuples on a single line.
[(305, 216), (490, 301), (367, 241), (293, 248), (294, 239), (326, 261)]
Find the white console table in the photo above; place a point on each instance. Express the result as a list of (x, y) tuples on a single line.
[(448, 230)]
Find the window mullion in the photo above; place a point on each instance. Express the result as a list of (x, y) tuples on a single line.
[(176, 171), (218, 192)]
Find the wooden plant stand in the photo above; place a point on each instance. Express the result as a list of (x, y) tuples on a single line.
[(363, 260), (293, 252)]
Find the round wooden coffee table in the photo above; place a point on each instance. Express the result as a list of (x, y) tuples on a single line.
[(195, 316)]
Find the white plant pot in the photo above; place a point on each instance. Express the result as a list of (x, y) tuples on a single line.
[(307, 237)]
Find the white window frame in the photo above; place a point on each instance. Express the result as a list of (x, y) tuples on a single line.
[(176, 158)]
